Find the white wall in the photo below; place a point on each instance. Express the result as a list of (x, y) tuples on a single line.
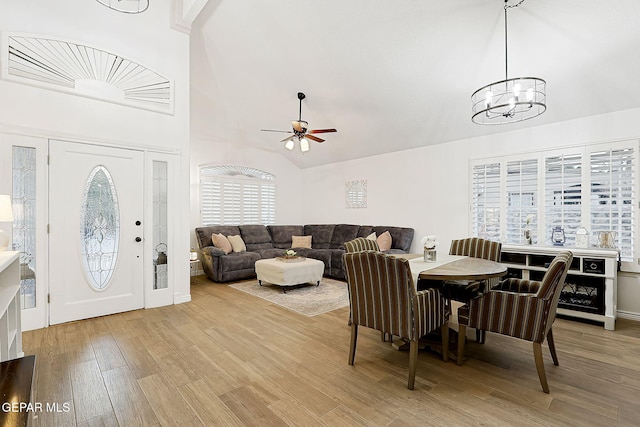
[(427, 188), (145, 38)]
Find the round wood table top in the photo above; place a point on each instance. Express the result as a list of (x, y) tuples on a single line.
[(465, 269)]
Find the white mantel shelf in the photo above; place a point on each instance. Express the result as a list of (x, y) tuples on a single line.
[(600, 264)]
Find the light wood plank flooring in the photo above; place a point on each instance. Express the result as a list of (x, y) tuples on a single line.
[(228, 358)]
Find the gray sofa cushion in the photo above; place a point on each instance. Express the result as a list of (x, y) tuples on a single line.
[(281, 234), (255, 237), (320, 235), (364, 231), (343, 233)]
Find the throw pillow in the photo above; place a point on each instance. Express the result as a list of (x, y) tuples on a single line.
[(221, 242), (372, 236), (237, 243), (384, 241), (301, 242)]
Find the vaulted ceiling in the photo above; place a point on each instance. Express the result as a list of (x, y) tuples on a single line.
[(395, 75)]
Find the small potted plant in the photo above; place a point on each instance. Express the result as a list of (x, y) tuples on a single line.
[(290, 254)]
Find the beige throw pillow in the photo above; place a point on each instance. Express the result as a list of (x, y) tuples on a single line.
[(237, 243), (221, 242), (301, 242), (384, 241), (372, 236)]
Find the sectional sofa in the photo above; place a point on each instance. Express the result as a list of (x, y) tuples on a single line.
[(327, 245)]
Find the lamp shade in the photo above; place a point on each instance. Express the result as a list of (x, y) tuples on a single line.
[(6, 215), (6, 211)]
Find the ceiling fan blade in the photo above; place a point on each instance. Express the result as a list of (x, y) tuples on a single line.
[(315, 138), (299, 125), (288, 138), (322, 131), (271, 130)]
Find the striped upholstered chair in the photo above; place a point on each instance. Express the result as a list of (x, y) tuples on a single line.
[(361, 244), (523, 309), (464, 290), (382, 296)]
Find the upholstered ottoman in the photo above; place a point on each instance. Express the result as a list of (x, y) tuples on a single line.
[(289, 272)]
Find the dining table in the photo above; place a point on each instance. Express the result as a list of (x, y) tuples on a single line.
[(455, 267), (451, 268)]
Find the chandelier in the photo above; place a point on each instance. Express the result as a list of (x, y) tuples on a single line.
[(126, 6), (509, 100)]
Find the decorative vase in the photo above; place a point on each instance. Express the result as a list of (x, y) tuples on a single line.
[(527, 235), (430, 255)]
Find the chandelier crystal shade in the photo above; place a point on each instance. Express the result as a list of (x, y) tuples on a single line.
[(512, 99)]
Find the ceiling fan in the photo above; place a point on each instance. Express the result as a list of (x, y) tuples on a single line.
[(300, 131)]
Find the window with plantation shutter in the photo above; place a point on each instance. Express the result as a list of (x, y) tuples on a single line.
[(237, 195), (522, 200), (486, 200), (591, 186)]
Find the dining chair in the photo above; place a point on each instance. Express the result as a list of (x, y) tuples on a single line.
[(360, 244), (382, 296), (524, 309), (464, 290)]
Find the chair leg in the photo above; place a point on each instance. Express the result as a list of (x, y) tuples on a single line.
[(444, 331), (462, 332), (537, 355), (413, 356), (481, 336), (354, 338), (552, 347)]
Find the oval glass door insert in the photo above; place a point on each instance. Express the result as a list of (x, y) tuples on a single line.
[(99, 228)]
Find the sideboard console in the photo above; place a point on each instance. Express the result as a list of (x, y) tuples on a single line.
[(590, 289)]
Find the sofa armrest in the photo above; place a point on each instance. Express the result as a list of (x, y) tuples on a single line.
[(212, 251)]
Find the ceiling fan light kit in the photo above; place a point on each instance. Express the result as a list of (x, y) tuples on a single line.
[(509, 100), (300, 132)]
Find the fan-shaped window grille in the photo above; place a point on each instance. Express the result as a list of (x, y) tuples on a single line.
[(126, 6), (237, 195), (83, 70)]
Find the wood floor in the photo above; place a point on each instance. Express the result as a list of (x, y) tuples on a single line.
[(228, 358)]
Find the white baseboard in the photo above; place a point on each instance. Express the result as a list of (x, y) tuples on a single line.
[(629, 315), (180, 298)]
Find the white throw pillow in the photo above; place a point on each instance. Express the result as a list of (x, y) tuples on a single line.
[(237, 243), (372, 236), (384, 241), (301, 242)]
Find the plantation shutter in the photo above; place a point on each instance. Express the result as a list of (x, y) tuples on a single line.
[(612, 194), (563, 195), (486, 201), (522, 200), (236, 195)]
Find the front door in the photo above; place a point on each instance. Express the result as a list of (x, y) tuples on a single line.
[(95, 230)]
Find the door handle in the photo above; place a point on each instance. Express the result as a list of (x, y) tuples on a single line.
[(138, 239)]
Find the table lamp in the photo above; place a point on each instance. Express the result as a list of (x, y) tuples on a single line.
[(6, 215)]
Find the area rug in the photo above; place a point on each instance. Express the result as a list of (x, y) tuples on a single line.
[(308, 300)]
